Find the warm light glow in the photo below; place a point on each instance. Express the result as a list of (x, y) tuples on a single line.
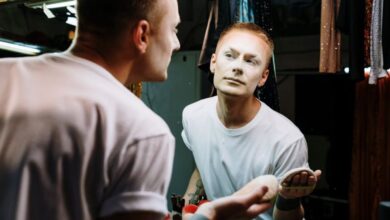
[(18, 48)]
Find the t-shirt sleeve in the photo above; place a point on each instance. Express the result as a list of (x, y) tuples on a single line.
[(291, 156), (139, 177), (185, 139), (184, 132)]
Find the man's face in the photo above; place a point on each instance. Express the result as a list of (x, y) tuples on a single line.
[(163, 40), (239, 64)]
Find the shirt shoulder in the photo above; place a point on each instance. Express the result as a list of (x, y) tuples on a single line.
[(280, 125), (72, 90), (200, 108)]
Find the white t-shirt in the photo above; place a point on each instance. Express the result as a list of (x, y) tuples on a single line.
[(227, 159), (76, 144)]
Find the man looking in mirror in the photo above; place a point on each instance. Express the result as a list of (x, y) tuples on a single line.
[(74, 142), (234, 137)]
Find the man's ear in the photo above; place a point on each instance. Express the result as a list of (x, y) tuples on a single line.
[(264, 77), (140, 36), (212, 63)]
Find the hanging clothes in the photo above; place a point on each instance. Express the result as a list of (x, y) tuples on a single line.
[(219, 18), (367, 32), (343, 24), (386, 34), (245, 11), (330, 39), (376, 49), (224, 13), (343, 17), (370, 166)]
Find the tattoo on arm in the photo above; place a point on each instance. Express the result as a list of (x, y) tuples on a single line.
[(196, 196)]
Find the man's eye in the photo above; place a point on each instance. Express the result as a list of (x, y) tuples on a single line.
[(228, 55), (253, 62)]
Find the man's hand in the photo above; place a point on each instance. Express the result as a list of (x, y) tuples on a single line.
[(269, 181), (236, 206), (299, 184)]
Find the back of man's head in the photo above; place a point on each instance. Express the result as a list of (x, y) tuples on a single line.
[(105, 17)]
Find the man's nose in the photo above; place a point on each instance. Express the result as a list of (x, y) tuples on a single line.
[(237, 69)]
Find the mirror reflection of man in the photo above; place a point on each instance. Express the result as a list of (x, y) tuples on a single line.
[(234, 137), (74, 142)]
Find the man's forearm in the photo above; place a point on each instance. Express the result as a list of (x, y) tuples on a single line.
[(195, 189)]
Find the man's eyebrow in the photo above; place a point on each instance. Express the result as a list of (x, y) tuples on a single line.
[(232, 50), (247, 56), (252, 56)]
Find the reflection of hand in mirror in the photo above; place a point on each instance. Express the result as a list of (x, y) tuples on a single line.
[(299, 182)]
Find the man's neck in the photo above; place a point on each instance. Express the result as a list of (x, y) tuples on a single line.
[(235, 112), (113, 62)]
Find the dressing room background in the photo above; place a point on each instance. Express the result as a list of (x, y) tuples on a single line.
[(327, 77)]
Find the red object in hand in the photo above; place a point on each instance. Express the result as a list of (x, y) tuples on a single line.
[(191, 208), (167, 216)]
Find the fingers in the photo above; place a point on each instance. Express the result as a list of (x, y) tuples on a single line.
[(236, 205), (255, 197), (311, 180), (301, 179), (300, 184), (318, 173), (257, 209), (291, 182), (296, 181), (254, 203)]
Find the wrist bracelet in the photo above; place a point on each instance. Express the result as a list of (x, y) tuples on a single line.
[(287, 204)]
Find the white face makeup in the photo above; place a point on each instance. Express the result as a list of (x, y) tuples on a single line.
[(239, 64)]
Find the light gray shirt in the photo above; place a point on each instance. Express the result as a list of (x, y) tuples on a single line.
[(76, 144), (227, 159)]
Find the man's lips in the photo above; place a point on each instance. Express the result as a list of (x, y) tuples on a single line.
[(234, 79)]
